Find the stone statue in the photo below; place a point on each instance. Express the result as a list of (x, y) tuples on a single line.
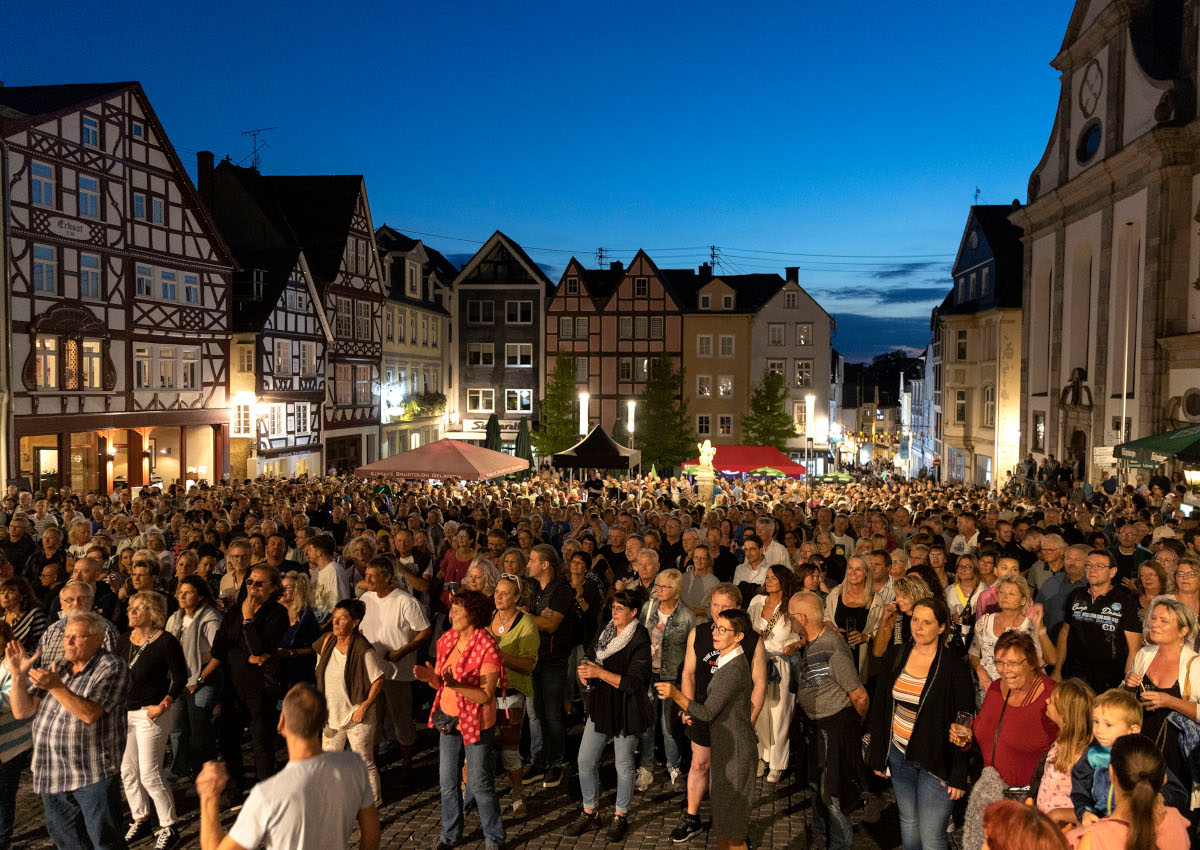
[(707, 452)]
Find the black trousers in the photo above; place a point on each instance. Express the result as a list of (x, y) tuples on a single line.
[(259, 712)]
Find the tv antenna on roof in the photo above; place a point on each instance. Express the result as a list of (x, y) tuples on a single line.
[(258, 146), (977, 194)]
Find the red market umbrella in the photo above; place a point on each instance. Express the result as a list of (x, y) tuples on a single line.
[(445, 459), (749, 458)]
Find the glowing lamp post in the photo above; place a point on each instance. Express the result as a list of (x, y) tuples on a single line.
[(584, 398)]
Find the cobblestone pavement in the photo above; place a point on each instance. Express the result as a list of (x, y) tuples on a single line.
[(411, 815)]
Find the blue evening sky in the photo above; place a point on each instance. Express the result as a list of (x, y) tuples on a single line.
[(771, 130)]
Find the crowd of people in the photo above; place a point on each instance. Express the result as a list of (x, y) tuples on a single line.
[(1020, 665)]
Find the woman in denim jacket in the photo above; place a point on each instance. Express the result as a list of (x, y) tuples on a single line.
[(669, 622)]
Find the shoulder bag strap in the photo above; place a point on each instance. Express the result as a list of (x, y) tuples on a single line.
[(996, 737)]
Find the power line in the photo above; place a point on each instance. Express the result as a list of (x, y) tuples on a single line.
[(845, 256)]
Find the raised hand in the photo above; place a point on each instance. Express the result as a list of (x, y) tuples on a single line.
[(19, 664)]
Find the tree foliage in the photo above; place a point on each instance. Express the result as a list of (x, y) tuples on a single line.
[(559, 417), (767, 422), (664, 432)]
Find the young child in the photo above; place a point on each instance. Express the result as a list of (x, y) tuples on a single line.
[(1070, 707), (988, 603), (1115, 712)]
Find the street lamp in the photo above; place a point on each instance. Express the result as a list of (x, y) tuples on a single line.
[(630, 409), (583, 413), (810, 410)]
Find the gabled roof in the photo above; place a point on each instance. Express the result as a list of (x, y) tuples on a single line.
[(319, 209), (1003, 240), (751, 292), (600, 284), (518, 254), (387, 238), (43, 100), (250, 313)]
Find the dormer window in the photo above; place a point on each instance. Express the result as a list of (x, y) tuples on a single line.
[(727, 302), (414, 281), (572, 286), (705, 302), (259, 284)]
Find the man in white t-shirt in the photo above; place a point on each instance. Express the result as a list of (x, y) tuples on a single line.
[(774, 552), (331, 576), (396, 625), (315, 801)]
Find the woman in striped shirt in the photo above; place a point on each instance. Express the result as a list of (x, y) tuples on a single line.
[(15, 742), (22, 612), (921, 689)]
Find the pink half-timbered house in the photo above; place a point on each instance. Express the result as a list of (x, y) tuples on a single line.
[(116, 364)]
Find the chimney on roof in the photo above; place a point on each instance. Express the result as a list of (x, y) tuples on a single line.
[(204, 173), (705, 271), (793, 274), (616, 266)]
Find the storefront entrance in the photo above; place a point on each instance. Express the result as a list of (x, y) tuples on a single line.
[(343, 454)]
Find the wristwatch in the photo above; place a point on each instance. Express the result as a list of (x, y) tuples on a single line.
[(199, 681)]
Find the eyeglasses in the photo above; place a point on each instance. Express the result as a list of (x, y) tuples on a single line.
[(722, 630), (1185, 574), (1009, 665), (250, 582)]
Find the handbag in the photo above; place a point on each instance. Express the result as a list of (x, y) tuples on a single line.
[(445, 723), (1189, 730)]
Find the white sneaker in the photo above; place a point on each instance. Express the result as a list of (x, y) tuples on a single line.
[(674, 773), (645, 778), (762, 768), (774, 775)]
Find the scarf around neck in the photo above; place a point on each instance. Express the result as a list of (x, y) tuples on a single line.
[(611, 642)]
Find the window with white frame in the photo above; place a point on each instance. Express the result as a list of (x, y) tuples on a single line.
[(139, 206), (242, 420), (804, 333), (245, 358), (191, 289), (141, 367), (297, 300), (190, 367), (481, 400), (362, 320), (725, 425), (89, 197), (412, 327), (308, 359), (434, 324), (41, 185), (625, 369), (572, 286), (45, 269), (518, 401), (46, 362), (775, 333), (277, 420), (413, 282), (960, 407), (481, 312), (727, 302), (705, 302), (641, 327), (581, 327), (424, 330), (960, 352), (703, 386), (989, 406), (625, 327), (518, 354), (344, 384), (725, 346), (389, 325), (804, 373), (167, 286), (481, 354), (283, 357), (156, 210), (167, 379), (144, 281), (791, 300), (303, 417), (402, 326), (518, 312), (360, 256), (89, 276), (566, 327), (362, 385), (725, 386), (656, 327), (137, 129), (800, 417), (704, 345), (581, 370), (641, 287), (704, 425), (641, 368), (343, 317), (90, 132), (90, 356), (776, 366)]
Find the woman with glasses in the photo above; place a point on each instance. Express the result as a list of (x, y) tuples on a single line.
[(963, 597), (769, 618), (1013, 729), (668, 623), (158, 674), (1151, 582), (617, 673), (518, 639), (835, 564), (1187, 583)]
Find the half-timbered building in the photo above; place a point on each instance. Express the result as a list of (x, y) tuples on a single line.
[(501, 296), (613, 323), (115, 366), (280, 334), (326, 220), (417, 334)]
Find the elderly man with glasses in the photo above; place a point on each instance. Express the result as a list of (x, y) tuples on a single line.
[(1051, 549)]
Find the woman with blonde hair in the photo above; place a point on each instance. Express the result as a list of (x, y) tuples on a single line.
[(482, 576), (894, 628), (1016, 612), (298, 657), (854, 609)]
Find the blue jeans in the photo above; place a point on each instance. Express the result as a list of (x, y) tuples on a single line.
[(193, 737), (924, 803), (481, 786), (87, 817), (10, 775), (591, 747), (668, 721), (549, 688), (829, 820)]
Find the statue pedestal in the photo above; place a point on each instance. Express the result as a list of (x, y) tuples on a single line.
[(704, 486)]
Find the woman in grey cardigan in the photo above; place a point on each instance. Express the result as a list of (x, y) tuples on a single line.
[(195, 625), (726, 710)]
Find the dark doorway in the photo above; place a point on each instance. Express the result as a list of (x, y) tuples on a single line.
[(344, 454)]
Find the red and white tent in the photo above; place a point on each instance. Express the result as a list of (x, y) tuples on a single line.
[(445, 459)]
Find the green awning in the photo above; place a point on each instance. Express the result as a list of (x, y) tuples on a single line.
[(835, 478), (766, 472), (1150, 452)]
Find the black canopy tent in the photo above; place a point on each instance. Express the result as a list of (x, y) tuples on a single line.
[(597, 451)]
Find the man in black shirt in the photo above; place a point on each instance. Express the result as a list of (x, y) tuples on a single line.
[(724, 561), (553, 613), (1101, 632)]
